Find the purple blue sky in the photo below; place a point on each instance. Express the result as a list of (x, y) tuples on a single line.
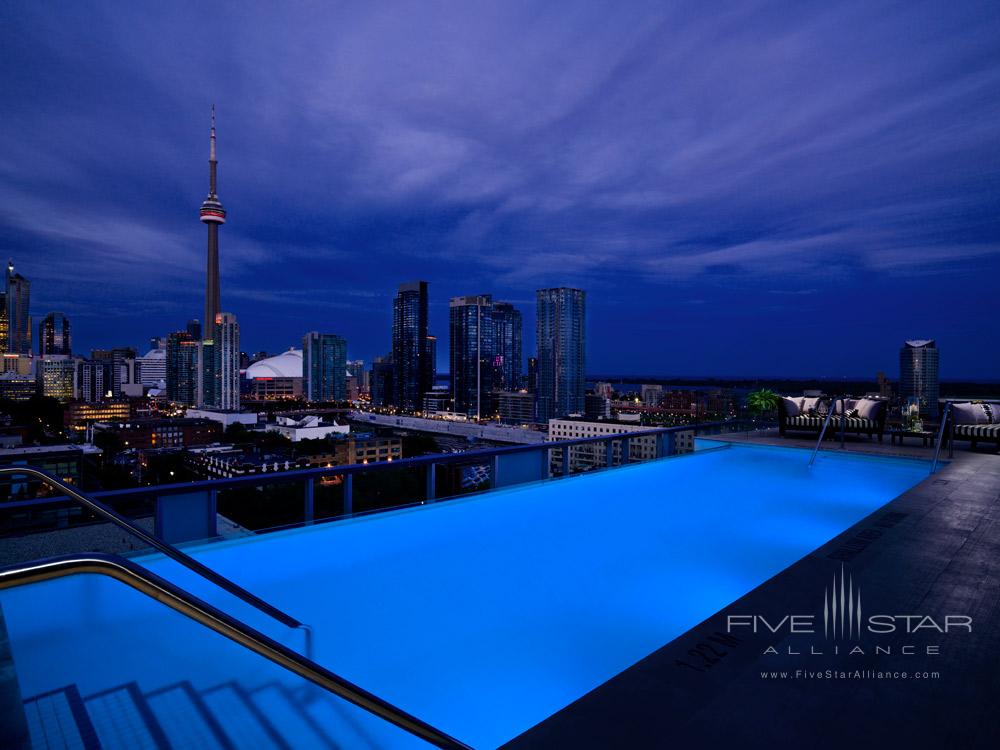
[(741, 188)]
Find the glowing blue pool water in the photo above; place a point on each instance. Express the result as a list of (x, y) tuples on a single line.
[(485, 615)]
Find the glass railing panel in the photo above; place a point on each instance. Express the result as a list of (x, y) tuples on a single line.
[(92, 654)]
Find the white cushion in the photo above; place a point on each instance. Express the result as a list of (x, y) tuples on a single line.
[(793, 405), (810, 403), (867, 407), (970, 414), (994, 409), (849, 404)]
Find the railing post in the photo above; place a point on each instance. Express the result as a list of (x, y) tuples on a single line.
[(431, 482), (626, 451), (666, 444), (494, 471), (348, 494), (309, 510), (609, 453), (843, 421)]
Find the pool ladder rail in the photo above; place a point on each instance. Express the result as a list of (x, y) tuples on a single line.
[(940, 436), (826, 423), (939, 440), (185, 603), (169, 550)]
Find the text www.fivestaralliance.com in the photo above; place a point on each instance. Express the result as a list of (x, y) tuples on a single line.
[(855, 674)]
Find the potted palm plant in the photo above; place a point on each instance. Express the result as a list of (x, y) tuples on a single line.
[(762, 402)]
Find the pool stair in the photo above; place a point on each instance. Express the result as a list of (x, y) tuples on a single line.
[(179, 717)]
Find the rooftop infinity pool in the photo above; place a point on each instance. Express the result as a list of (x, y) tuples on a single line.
[(483, 615)]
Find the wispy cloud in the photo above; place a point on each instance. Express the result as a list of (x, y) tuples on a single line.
[(501, 146)]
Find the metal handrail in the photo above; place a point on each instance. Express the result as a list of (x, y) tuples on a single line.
[(940, 436), (167, 549), (822, 432), (185, 603)]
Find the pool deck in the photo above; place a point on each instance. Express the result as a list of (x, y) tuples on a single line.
[(934, 550)]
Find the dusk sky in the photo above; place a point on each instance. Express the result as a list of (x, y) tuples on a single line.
[(741, 188)]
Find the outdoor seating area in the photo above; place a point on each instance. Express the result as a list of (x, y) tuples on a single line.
[(864, 416), (976, 422)]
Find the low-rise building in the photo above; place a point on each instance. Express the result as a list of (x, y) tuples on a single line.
[(79, 414), (359, 448), (591, 456), (515, 407), (14, 387), (144, 434), (307, 428), (225, 418), (63, 461)]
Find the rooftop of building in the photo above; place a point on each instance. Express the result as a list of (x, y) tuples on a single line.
[(285, 365)]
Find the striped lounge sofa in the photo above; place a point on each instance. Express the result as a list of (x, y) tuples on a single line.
[(975, 421), (800, 414)]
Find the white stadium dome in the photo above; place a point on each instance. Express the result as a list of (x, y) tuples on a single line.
[(285, 365)]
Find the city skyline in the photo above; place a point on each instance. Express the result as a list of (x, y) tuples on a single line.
[(758, 208)]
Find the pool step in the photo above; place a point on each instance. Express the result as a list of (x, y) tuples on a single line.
[(241, 721), (123, 720), (186, 720), (284, 711), (58, 719), (178, 717), (335, 718)]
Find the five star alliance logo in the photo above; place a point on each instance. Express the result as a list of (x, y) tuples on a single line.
[(842, 608), (846, 628)]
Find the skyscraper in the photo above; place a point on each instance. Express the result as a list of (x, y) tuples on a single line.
[(53, 335), (382, 374), (324, 367), (226, 338), (18, 298), (218, 364), (409, 345), (918, 374), (430, 361), (182, 368), (194, 328), (473, 339), (561, 332), (507, 351), (214, 215)]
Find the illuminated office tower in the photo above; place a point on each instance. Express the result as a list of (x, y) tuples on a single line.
[(324, 367), (57, 378), (182, 368), (18, 298), (53, 335), (560, 329), (409, 345), (218, 364), (508, 330), (473, 339)]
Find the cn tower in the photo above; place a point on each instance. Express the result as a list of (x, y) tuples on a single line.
[(213, 214)]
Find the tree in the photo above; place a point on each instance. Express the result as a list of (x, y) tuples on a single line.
[(237, 433)]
